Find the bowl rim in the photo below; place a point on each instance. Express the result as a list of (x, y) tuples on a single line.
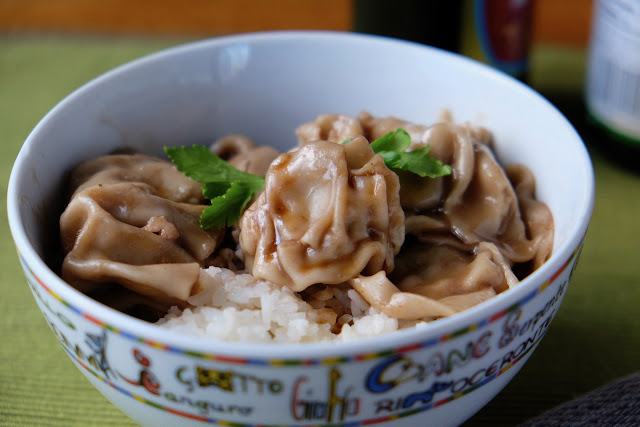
[(120, 322)]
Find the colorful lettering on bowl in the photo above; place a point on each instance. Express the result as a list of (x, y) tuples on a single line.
[(361, 389)]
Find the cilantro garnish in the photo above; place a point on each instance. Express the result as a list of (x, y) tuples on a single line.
[(392, 147), (230, 189)]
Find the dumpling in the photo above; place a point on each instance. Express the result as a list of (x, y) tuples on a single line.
[(132, 232), (385, 297), (435, 281), (159, 174), (242, 154), (471, 229), (535, 214), (329, 127), (328, 213), (479, 200), (440, 271)]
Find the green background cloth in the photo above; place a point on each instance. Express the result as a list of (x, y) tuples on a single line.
[(594, 339)]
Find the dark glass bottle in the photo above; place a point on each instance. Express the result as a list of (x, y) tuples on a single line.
[(497, 32), (435, 23)]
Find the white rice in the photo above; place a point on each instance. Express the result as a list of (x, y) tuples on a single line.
[(238, 307)]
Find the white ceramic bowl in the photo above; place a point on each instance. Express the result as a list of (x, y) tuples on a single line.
[(265, 85)]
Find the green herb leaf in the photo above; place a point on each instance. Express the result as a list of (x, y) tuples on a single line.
[(211, 190), (225, 210), (228, 188), (202, 165), (392, 147), (419, 162), (397, 141)]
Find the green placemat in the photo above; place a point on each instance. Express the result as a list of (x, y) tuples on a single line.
[(594, 339), (39, 386)]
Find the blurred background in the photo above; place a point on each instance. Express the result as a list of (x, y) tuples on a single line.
[(558, 29), (91, 36), (50, 47)]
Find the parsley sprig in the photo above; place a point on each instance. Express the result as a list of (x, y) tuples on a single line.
[(230, 189), (393, 149)]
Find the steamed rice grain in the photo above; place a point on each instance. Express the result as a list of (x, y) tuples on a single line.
[(238, 307)]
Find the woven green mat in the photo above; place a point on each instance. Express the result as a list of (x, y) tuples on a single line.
[(594, 339)]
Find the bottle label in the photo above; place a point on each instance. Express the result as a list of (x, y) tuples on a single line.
[(613, 69)]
